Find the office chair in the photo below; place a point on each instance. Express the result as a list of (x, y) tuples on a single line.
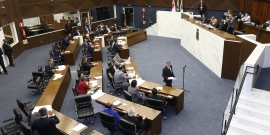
[(45, 77), (108, 122), (56, 60), (129, 128), (84, 108), (116, 87), (85, 54), (158, 105), (27, 110), (128, 96), (74, 89), (37, 83), (86, 73), (26, 129), (13, 127), (109, 79)]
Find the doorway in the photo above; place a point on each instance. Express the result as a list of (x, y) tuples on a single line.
[(129, 20), (85, 20)]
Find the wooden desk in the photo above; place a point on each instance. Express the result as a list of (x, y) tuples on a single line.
[(97, 53), (262, 35), (132, 64), (153, 116), (94, 72), (124, 50), (136, 37), (71, 57), (54, 95)]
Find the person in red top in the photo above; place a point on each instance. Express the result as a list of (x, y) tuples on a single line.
[(83, 86)]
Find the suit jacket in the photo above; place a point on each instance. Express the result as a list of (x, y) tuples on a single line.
[(46, 126), (114, 48), (65, 43), (86, 66), (157, 97), (96, 34), (85, 45), (7, 49), (105, 30), (1, 52), (167, 73), (203, 9), (90, 51), (122, 16), (49, 70), (70, 38), (214, 25), (86, 30), (56, 53), (118, 61), (137, 98), (114, 113), (120, 77), (112, 70), (77, 34), (136, 121), (68, 27)]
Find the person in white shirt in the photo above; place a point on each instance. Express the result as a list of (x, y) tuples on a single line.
[(246, 18), (268, 21)]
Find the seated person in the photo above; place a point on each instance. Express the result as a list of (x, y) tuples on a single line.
[(86, 65), (90, 49), (214, 22), (114, 47), (157, 97), (268, 21), (50, 68), (70, 37), (109, 110), (77, 33), (246, 18), (83, 86), (88, 38), (65, 43), (112, 68), (86, 30), (132, 117), (115, 27), (106, 30), (120, 78), (57, 52), (85, 43), (110, 41), (223, 24), (118, 60), (45, 125), (136, 96), (240, 15), (96, 33), (203, 18)]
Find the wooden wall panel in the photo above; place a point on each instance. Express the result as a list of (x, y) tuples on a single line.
[(245, 5), (214, 4), (260, 10)]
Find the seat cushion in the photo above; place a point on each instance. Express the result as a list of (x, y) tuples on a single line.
[(10, 128), (33, 85), (85, 113)]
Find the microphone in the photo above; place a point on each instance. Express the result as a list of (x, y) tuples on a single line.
[(185, 66)]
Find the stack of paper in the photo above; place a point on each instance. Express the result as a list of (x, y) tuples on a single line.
[(140, 81), (56, 76), (98, 94), (67, 51), (79, 127), (116, 103), (36, 109), (129, 68), (131, 75), (172, 78), (61, 68), (98, 77), (159, 88)]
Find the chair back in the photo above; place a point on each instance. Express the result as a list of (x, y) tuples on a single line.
[(107, 121), (74, 89), (40, 69), (108, 76), (127, 127), (18, 116), (26, 129), (83, 98), (128, 96), (35, 75), (22, 106), (51, 53), (155, 104)]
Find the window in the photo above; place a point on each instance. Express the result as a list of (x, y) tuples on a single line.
[(10, 33)]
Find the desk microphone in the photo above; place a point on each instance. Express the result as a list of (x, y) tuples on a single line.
[(185, 66)]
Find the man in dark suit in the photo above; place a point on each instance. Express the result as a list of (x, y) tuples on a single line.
[(85, 43), (112, 68), (45, 125), (87, 65), (8, 51), (2, 62), (70, 37), (131, 117), (166, 73), (123, 16), (114, 47), (50, 68), (77, 33), (65, 43), (68, 27), (202, 8), (115, 27), (157, 97), (86, 30), (106, 30), (96, 33), (90, 49)]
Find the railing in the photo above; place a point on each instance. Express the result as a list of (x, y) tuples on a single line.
[(234, 100), (150, 19)]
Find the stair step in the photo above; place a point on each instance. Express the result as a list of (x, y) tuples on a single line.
[(252, 111), (254, 102), (252, 121), (243, 129), (261, 94)]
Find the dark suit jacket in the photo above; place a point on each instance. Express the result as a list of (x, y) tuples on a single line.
[(68, 27), (114, 48), (77, 34), (203, 9), (49, 70), (65, 44), (56, 53), (46, 126), (7, 49), (96, 34), (214, 25), (90, 51), (111, 69), (85, 45), (1, 52), (157, 97), (135, 120), (86, 66), (167, 73), (70, 38), (105, 30), (85, 30)]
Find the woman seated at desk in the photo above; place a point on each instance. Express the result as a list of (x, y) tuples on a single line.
[(214, 22), (83, 86)]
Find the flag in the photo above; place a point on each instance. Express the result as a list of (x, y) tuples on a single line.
[(181, 6), (173, 6), (177, 6)]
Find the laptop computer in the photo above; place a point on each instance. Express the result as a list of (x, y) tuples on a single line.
[(87, 131)]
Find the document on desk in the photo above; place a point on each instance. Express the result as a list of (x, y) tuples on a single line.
[(61, 68), (159, 88), (129, 68), (172, 78), (116, 103), (98, 94), (36, 109), (67, 51), (98, 77), (140, 81), (79, 127), (56, 76)]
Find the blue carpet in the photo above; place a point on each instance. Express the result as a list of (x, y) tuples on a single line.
[(263, 80), (204, 105)]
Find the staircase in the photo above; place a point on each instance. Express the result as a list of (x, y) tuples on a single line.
[(152, 30), (252, 114)]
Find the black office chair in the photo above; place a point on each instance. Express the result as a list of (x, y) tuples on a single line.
[(84, 108), (37, 83), (12, 128), (108, 122), (129, 128), (27, 110), (45, 78), (158, 105), (108, 77), (26, 129), (128, 96), (74, 89), (84, 72), (56, 60)]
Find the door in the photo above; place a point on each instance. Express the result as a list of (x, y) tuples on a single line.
[(129, 12), (84, 18)]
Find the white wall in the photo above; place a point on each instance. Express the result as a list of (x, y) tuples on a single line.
[(1, 46), (31, 21)]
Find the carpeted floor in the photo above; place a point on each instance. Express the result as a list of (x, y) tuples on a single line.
[(262, 81), (204, 105)]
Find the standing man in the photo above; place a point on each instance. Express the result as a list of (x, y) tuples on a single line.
[(68, 27), (128, 18), (123, 16), (8, 51), (231, 24), (201, 8), (166, 73), (2, 62)]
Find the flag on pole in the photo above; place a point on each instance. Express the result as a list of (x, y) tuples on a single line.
[(181, 6), (173, 6), (177, 6)]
